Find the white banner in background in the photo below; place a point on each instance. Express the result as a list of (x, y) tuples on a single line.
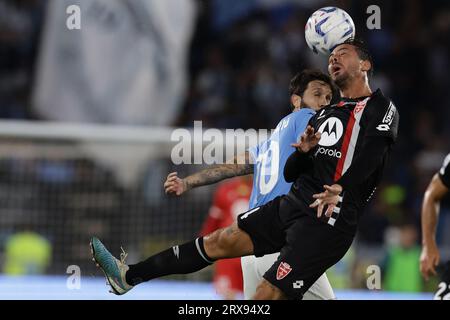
[(126, 65)]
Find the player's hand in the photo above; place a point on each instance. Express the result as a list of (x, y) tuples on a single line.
[(174, 185), (329, 198), (429, 259), (308, 140)]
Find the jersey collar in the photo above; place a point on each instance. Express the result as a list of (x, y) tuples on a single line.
[(353, 101)]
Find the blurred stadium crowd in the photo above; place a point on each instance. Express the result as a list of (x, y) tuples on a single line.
[(241, 59)]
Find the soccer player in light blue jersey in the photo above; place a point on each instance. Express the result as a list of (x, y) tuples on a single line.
[(309, 91)]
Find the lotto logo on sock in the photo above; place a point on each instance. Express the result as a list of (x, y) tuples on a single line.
[(283, 270)]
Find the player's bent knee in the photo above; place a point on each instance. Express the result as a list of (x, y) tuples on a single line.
[(211, 244), (228, 242), (219, 244), (267, 291)]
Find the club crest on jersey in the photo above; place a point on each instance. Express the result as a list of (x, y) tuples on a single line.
[(283, 270)]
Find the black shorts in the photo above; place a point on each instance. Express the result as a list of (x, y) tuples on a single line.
[(308, 246)]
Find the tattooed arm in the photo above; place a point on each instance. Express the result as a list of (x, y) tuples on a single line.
[(241, 166)]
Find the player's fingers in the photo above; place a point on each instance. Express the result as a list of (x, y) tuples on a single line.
[(303, 138), (306, 132), (331, 189), (318, 195), (421, 267), (169, 189), (314, 204), (425, 274), (329, 211), (168, 184), (319, 210), (172, 178), (436, 261), (432, 270), (425, 267), (172, 174)]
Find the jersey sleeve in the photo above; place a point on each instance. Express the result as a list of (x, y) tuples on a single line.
[(301, 121), (296, 164), (383, 118), (444, 172)]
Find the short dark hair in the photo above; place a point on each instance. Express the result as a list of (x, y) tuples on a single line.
[(362, 50), (300, 82)]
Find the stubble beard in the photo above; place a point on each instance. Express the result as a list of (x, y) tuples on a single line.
[(342, 81)]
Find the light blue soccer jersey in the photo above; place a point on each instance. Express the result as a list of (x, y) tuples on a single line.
[(271, 155)]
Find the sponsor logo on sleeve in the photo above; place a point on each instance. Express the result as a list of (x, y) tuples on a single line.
[(385, 124), (297, 284), (390, 113)]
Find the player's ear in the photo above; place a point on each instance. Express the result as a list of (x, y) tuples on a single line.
[(296, 101), (366, 65)]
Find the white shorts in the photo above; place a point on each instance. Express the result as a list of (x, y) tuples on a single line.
[(254, 268)]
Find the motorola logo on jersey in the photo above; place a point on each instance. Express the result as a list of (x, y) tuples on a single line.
[(329, 152), (331, 130)]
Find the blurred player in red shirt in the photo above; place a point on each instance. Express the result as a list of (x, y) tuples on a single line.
[(230, 199)]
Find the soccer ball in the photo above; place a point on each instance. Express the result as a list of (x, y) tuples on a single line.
[(328, 27)]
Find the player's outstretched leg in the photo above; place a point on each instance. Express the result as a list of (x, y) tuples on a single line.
[(114, 269), (229, 242)]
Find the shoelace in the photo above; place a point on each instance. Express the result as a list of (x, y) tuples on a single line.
[(123, 255)]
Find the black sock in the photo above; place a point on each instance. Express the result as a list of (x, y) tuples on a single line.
[(186, 258)]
